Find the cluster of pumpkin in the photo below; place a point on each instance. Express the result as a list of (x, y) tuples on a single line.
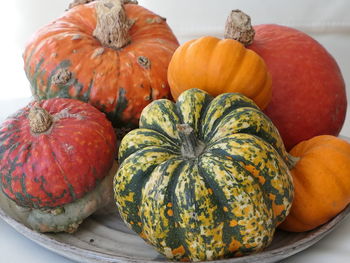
[(204, 178)]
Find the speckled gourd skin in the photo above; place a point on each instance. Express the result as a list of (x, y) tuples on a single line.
[(64, 59), (227, 201)]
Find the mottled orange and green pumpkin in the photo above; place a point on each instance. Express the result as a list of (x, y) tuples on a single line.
[(70, 58), (204, 178)]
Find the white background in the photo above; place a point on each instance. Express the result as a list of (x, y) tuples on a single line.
[(327, 21)]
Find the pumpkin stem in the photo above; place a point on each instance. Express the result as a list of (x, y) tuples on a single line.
[(238, 27), (83, 2), (191, 146), (39, 120), (112, 28), (292, 161), (79, 2)]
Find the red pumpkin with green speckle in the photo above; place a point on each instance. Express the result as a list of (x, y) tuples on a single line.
[(55, 153)]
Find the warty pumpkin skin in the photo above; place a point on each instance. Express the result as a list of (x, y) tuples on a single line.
[(67, 58), (321, 180), (219, 66), (54, 153), (204, 178)]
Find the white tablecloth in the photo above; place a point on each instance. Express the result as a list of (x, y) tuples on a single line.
[(327, 21)]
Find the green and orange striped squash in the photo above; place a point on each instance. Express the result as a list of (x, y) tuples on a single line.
[(204, 178), (118, 68)]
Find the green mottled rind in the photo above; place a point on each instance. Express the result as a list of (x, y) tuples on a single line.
[(225, 202), (67, 218)]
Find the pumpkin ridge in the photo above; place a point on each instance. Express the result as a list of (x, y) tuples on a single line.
[(218, 156), (242, 71), (269, 174), (7, 177), (22, 196), (171, 168), (226, 101), (193, 115), (237, 77), (265, 90), (24, 193), (217, 190), (238, 235), (134, 135), (169, 118), (42, 179), (189, 202), (135, 180), (267, 201), (71, 191), (258, 125), (176, 217)]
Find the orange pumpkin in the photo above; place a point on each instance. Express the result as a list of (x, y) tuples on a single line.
[(112, 55), (321, 182), (219, 66)]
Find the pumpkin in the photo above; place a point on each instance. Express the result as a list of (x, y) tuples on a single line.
[(112, 55), (218, 66), (322, 182), (55, 158), (308, 89), (204, 178)]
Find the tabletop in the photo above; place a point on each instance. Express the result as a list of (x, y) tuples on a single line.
[(328, 23)]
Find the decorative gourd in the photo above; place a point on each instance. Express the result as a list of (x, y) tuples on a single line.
[(308, 90), (218, 66), (204, 178), (111, 55), (55, 158), (322, 182)]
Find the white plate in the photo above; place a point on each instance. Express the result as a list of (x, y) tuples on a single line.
[(104, 238)]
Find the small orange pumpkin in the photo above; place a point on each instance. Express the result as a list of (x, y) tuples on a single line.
[(321, 182), (219, 66)]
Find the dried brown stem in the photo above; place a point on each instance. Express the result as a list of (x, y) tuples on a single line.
[(39, 120), (238, 27), (113, 26)]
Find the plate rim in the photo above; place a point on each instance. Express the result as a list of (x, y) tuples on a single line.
[(74, 252)]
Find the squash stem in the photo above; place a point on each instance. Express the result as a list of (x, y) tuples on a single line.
[(112, 28), (79, 2), (191, 147), (39, 119), (292, 161), (238, 27)]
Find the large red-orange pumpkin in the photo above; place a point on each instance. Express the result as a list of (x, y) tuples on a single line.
[(112, 55), (308, 90)]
